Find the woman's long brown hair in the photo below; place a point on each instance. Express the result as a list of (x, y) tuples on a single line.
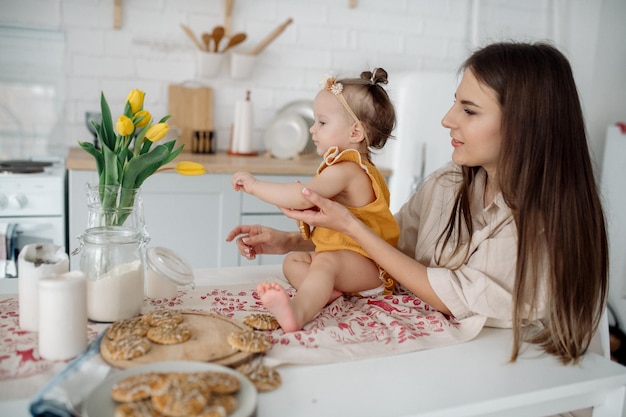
[(546, 178)]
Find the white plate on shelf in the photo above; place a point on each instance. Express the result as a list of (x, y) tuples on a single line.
[(287, 136), (100, 404), (303, 108)]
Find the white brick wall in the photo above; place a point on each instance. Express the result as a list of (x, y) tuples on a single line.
[(150, 51)]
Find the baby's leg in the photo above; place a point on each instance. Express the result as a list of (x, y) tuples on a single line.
[(276, 300), (296, 267)]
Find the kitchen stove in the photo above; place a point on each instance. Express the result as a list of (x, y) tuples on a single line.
[(32, 207)]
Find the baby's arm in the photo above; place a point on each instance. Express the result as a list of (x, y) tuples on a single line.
[(281, 195), (329, 183)]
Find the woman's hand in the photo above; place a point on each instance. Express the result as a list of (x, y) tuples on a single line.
[(255, 240), (327, 213)]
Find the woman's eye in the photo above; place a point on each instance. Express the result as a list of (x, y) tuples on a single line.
[(469, 112)]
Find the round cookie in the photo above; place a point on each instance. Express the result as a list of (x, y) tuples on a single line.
[(249, 341), (136, 409), (127, 347), (220, 382), (305, 230), (160, 317), (213, 411), (227, 402), (261, 321), (185, 396), (169, 335), (134, 326), (262, 377), (138, 387)]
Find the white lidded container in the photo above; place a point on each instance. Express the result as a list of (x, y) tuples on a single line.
[(165, 271)]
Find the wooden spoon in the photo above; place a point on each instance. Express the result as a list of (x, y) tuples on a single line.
[(236, 39), (206, 38), (192, 36), (218, 34)]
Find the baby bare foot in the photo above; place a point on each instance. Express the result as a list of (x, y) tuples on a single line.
[(276, 300)]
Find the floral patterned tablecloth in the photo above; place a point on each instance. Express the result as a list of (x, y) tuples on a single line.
[(349, 328)]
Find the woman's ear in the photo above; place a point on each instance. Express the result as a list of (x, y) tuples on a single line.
[(357, 135)]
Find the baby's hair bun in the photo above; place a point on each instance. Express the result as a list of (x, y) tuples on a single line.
[(378, 76)]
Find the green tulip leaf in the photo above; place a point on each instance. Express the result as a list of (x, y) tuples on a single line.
[(107, 134), (91, 149), (141, 167)]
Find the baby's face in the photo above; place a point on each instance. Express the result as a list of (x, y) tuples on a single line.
[(333, 125)]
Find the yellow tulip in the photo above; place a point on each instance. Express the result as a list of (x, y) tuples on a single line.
[(190, 168), (147, 117), (157, 132), (135, 98), (124, 126)]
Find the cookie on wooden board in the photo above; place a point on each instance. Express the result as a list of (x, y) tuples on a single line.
[(261, 321), (168, 334), (250, 341), (159, 317), (127, 347), (134, 326)]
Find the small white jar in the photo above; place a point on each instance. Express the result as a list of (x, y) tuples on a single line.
[(165, 272)]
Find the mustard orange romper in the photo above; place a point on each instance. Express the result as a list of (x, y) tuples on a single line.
[(376, 215)]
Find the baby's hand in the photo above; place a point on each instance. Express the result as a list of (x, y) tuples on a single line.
[(243, 181)]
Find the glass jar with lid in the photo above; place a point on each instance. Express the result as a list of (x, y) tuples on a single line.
[(165, 272), (112, 260)]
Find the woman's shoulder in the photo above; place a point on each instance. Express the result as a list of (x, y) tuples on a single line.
[(448, 174)]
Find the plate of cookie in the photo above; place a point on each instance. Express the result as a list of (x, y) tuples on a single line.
[(156, 389), (172, 335)]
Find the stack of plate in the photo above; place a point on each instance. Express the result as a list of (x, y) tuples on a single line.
[(288, 133)]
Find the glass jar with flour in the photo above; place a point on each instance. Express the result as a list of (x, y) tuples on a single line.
[(112, 260)]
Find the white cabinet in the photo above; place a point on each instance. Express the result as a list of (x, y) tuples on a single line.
[(189, 215), (255, 211)]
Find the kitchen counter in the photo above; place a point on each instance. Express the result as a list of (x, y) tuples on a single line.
[(222, 163), (461, 380)]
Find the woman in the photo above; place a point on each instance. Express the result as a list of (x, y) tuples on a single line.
[(512, 230)]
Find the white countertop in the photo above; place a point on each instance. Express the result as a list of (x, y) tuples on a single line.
[(469, 379)]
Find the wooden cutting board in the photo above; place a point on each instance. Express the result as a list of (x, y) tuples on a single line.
[(207, 343)]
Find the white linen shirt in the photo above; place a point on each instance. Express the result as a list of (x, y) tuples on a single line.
[(483, 284)]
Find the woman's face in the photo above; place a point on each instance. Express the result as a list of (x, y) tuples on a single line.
[(333, 126), (474, 121)]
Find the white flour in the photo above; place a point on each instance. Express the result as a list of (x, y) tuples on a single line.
[(116, 295)]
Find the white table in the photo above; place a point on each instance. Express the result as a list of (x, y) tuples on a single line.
[(470, 379)]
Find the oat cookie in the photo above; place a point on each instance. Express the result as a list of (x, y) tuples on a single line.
[(134, 326), (142, 408), (186, 396), (305, 230), (169, 335), (262, 377), (220, 382), (249, 341), (261, 321), (159, 317), (127, 347), (139, 387), (226, 401)]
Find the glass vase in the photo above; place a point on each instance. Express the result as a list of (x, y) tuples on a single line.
[(113, 205)]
